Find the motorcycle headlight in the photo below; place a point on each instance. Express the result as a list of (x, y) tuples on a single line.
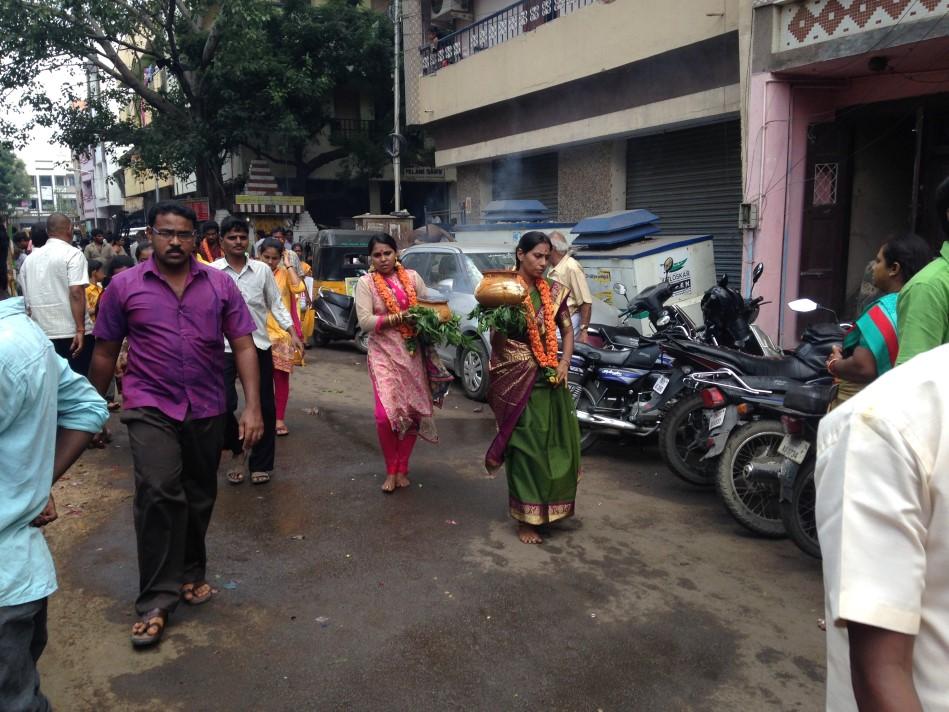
[(663, 320)]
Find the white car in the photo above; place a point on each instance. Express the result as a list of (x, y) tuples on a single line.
[(455, 270)]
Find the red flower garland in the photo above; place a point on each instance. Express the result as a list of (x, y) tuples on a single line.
[(392, 304), (544, 352)]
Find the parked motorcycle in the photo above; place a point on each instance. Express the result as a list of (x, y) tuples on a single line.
[(336, 320), (618, 387), (787, 473), (696, 428), (625, 385)]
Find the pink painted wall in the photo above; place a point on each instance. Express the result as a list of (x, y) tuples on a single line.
[(777, 116)]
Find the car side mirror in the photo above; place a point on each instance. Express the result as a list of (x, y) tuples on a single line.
[(620, 289)]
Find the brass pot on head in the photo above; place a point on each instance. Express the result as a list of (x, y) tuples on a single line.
[(499, 288)]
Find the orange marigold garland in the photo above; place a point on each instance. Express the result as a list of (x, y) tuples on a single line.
[(392, 304), (545, 352)]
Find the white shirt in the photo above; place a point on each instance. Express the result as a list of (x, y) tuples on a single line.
[(259, 289), (883, 521), (45, 277)]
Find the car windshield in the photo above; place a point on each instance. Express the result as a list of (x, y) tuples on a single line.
[(480, 262)]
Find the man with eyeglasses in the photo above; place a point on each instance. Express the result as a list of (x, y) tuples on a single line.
[(257, 284), (175, 313)]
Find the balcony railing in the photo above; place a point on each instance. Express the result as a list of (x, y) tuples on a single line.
[(513, 21), (351, 128)]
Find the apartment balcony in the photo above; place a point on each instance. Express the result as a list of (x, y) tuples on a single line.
[(504, 25), (536, 45)]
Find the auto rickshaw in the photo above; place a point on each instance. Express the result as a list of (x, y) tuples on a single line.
[(338, 259), (335, 256)]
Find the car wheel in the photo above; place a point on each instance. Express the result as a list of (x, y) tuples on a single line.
[(473, 369), (362, 341)]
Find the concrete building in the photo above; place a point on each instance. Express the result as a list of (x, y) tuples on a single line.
[(99, 191), (587, 105), (54, 175), (846, 124)]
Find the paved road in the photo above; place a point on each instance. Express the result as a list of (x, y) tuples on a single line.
[(336, 597)]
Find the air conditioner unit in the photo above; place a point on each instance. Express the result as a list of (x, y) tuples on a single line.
[(444, 11)]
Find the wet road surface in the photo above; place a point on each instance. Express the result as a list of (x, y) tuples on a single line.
[(333, 596)]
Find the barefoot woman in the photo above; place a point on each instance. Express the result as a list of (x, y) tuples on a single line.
[(538, 436), (399, 377)]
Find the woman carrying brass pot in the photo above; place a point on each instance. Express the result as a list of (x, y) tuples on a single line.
[(538, 438)]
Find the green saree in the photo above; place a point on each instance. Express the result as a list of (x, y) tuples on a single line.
[(538, 437)]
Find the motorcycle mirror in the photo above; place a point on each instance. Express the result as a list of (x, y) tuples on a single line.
[(667, 265), (723, 281), (620, 288), (757, 272), (803, 305)]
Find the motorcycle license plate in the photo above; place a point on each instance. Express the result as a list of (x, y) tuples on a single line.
[(794, 449), (716, 419), (660, 385)]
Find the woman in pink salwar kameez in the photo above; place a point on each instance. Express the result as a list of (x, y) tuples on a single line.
[(400, 377)]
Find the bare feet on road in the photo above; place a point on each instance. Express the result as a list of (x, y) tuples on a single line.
[(528, 534)]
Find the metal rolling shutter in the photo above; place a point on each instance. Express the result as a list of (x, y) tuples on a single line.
[(691, 179), (527, 178)]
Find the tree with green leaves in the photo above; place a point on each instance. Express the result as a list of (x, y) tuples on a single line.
[(185, 82), (15, 184)]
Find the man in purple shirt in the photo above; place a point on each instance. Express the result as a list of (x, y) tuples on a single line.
[(175, 313)]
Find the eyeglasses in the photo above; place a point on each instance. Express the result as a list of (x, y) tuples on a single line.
[(182, 235)]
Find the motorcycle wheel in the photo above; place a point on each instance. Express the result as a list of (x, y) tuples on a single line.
[(683, 441), (583, 399), (362, 341), (320, 339), (754, 505), (799, 514)]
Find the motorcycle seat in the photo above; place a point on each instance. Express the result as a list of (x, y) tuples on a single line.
[(632, 358), (813, 400), (621, 335), (788, 367), (823, 334), (337, 299)]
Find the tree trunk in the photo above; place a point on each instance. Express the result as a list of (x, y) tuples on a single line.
[(210, 183)]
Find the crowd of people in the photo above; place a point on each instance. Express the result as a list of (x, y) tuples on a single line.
[(196, 309)]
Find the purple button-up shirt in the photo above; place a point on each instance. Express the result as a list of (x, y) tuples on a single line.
[(176, 347)]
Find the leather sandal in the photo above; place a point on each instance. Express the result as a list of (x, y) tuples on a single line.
[(155, 618), (188, 596)]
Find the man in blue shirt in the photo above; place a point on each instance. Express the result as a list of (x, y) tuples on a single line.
[(48, 416)]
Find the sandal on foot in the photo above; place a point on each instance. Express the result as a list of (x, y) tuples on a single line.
[(235, 477), (282, 431), (188, 593), (389, 485), (259, 478), (155, 618)]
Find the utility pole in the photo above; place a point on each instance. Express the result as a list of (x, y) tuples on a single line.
[(396, 159)]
